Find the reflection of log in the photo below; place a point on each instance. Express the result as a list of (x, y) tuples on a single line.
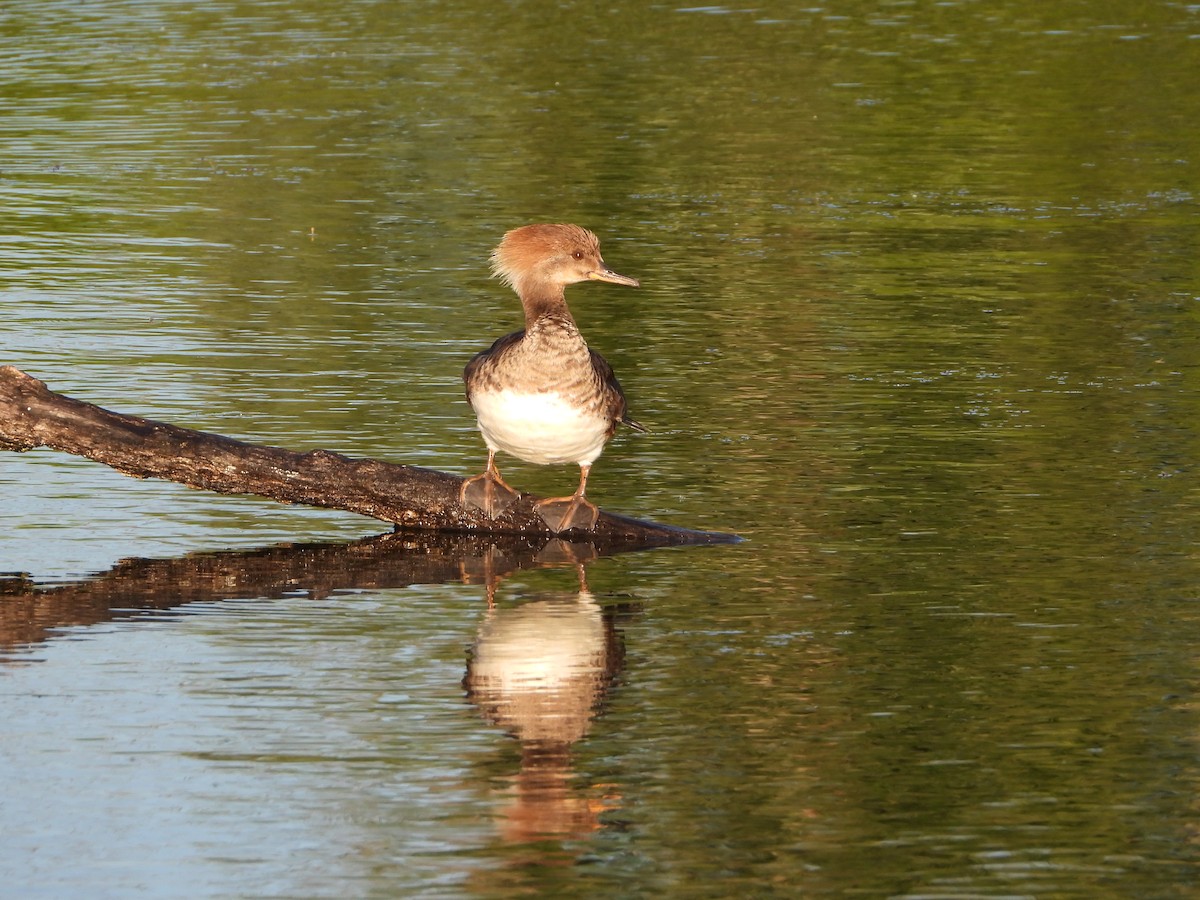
[(31, 415), (30, 612)]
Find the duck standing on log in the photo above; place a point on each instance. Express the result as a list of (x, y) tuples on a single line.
[(541, 394)]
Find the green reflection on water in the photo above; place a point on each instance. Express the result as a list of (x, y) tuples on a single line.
[(918, 315)]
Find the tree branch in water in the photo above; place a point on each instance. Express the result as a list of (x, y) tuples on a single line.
[(409, 497)]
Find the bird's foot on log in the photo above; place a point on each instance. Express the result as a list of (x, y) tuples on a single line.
[(566, 513), (488, 492)]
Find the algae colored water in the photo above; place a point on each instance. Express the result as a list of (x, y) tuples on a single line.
[(918, 317)]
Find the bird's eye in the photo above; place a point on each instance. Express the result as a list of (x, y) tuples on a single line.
[(578, 254)]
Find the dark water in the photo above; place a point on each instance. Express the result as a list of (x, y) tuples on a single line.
[(919, 313)]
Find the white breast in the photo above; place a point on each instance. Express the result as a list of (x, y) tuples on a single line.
[(539, 428)]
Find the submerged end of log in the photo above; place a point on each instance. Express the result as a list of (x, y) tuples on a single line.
[(409, 497)]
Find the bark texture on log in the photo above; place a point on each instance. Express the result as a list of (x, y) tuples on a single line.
[(409, 497)]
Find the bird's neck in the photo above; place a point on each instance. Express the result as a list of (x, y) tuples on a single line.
[(544, 301)]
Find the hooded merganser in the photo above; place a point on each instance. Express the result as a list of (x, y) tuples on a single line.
[(541, 394)]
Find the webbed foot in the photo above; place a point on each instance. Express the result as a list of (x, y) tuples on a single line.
[(488, 492), (565, 513)]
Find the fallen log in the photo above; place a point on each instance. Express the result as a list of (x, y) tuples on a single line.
[(409, 497)]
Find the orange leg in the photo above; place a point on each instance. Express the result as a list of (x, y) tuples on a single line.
[(567, 513), (488, 491)]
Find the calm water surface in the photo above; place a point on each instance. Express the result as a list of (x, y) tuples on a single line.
[(919, 314)]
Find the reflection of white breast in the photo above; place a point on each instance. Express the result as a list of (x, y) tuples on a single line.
[(539, 669), (539, 428), (541, 645)]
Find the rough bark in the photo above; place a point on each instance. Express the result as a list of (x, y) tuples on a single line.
[(411, 498)]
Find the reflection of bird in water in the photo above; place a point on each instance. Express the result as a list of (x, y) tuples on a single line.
[(540, 394), (540, 670)]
